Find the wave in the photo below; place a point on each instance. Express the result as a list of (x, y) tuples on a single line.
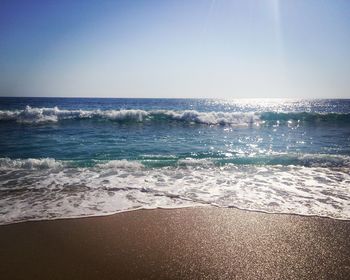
[(31, 163), (282, 159), (31, 189), (40, 115), (46, 115), (306, 160), (305, 117)]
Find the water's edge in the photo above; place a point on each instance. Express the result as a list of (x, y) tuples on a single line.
[(169, 209)]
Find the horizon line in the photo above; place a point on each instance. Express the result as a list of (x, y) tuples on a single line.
[(216, 98)]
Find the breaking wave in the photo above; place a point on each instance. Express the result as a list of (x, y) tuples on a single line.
[(49, 189), (31, 164), (39, 115), (282, 159), (46, 115)]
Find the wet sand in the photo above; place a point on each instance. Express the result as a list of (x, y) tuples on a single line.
[(191, 243)]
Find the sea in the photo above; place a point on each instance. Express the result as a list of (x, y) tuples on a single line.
[(77, 157)]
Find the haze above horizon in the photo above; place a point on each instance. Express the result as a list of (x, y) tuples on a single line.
[(175, 49)]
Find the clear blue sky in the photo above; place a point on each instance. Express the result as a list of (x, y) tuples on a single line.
[(189, 48)]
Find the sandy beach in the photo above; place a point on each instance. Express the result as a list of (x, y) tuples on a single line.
[(174, 140), (188, 243)]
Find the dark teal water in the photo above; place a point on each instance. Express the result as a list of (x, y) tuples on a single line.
[(249, 132), (74, 141)]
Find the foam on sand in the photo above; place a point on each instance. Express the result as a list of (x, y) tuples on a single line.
[(48, 189)]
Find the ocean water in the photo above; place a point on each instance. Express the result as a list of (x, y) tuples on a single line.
[(73, 157)]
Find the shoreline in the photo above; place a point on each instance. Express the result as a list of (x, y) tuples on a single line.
[(174, 208), (181, 243)]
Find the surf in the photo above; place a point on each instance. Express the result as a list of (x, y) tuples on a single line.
[(31, 115), (50, 189)]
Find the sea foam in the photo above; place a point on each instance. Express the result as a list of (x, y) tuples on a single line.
[(46, 115), (46, 163), (48, 189)]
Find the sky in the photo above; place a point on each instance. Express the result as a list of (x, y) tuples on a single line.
[(175, 49)]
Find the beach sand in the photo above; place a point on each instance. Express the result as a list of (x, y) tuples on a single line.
[(188, 243)]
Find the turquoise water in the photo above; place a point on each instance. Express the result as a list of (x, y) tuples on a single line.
[(68, 157)]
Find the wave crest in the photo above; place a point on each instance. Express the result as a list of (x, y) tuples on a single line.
[(45, 115), (31, 163), (280, 159), (42, 115)]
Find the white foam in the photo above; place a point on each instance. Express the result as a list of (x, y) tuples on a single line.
[(58, 192), (213, 118), (324, 160), (120, 164), (42, 115), (46, 163)]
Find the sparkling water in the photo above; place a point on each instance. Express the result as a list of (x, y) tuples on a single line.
[(72, 157)]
